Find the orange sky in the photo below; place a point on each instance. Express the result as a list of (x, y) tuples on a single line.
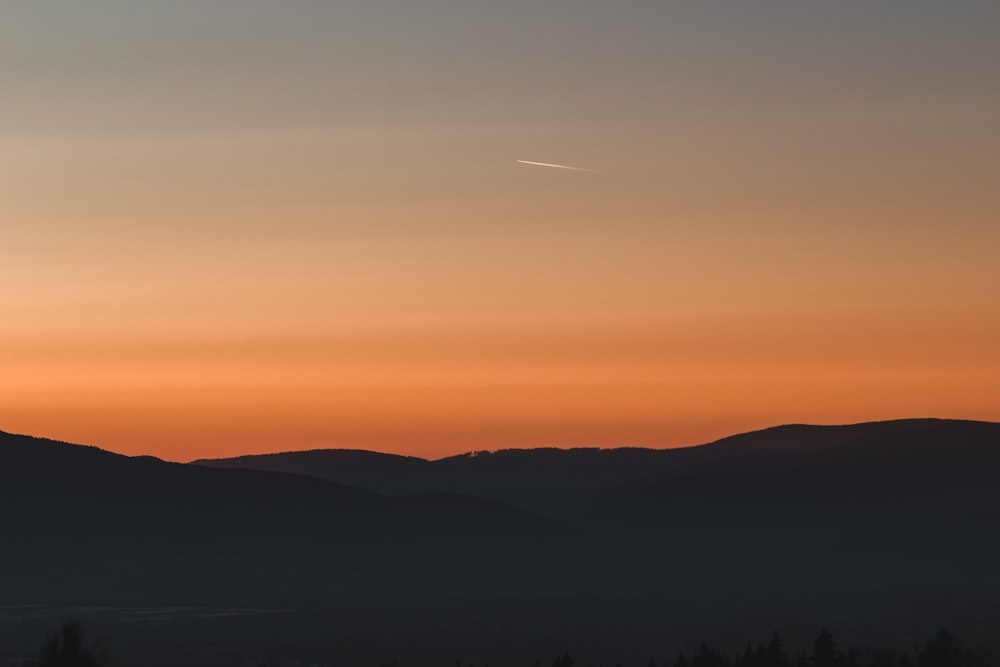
[(239, 228)]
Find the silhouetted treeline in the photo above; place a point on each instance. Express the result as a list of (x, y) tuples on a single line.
[(70, 647), (941, 650)]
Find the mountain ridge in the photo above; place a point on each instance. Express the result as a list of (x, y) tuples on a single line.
[(862, 523), (523, 476), (473, 454)]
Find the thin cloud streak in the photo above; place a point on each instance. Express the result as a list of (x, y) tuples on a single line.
[(554, 166)]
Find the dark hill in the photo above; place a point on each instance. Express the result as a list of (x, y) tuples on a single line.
[(872, 511), (385, 473), (552, 480), (896, 514), (544, 480), (79, 522), (889, 528)]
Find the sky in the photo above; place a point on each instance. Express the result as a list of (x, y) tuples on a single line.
[(238, 226)]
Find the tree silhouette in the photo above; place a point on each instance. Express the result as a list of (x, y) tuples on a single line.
[(66, 648), (942, 650), (825, 653), (775, 655), (706, 657), (563, 661)]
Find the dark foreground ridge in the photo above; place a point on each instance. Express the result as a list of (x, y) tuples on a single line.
[(880, 531)]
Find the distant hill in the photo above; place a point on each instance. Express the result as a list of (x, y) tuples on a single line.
[(79, 522), (898, 471), (548, 479), (878, 505), (885, 527), (385, 473)]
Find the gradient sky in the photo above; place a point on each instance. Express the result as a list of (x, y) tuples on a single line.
[(234, 226)]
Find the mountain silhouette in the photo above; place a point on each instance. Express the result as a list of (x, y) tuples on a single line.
[(81, 522), (886, 527), (553, 480), (786, 517)]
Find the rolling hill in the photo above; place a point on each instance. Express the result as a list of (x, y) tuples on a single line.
[(887, 528), (81, 523)]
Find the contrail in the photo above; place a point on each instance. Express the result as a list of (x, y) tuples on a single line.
[(554, 166)]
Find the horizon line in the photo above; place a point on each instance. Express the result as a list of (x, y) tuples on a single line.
[(472, 452)]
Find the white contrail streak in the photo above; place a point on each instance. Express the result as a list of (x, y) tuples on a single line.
[(554, 166)]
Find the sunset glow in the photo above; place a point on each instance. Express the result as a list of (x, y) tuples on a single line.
[(234, 228)]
